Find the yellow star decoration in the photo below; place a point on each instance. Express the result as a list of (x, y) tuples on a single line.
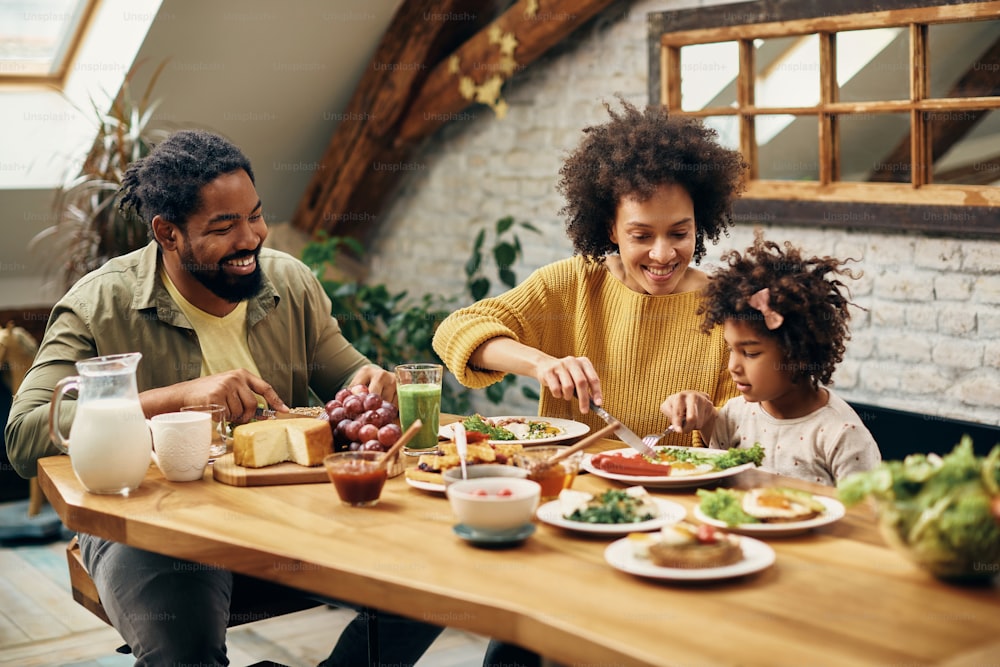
[(531, 10), (488, 92), (500, 109), (466, 87), (507, 65), (508, 42)]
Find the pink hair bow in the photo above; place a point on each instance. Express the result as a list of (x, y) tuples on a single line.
[(761, 300)]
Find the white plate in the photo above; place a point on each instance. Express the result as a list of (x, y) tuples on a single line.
[(834, 512), (670, 512), (568, 427), (659, 481), (425, 486), (757, 556)]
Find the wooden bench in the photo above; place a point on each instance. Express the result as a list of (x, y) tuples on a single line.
[(899, 433), (84, 590)]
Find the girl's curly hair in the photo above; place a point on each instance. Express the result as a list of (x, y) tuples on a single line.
[(806, 292), (168, 181), (633, 154)]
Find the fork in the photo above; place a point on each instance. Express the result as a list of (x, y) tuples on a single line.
[(653, 438)]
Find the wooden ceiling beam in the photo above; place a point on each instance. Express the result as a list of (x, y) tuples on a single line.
[(420, 32), (412, 89)]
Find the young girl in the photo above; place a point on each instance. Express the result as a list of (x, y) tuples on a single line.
[(785, 322)]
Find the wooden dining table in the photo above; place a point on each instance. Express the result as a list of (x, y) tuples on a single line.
[(837, 595)]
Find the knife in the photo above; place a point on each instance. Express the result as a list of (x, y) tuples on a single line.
[(626, 434)]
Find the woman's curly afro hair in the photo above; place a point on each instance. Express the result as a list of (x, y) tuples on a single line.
[(633, 154), (806, 292), (168, 181)]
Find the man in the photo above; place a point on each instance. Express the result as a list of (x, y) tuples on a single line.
[(218, 319)]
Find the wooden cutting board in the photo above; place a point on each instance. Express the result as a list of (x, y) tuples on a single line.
[(226, 471)]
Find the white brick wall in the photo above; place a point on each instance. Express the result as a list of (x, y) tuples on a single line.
[(929, 341)]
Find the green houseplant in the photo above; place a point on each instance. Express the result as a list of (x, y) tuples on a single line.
[(88, 229), (393, 328)]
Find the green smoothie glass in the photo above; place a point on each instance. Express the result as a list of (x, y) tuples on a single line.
[(418, 387)]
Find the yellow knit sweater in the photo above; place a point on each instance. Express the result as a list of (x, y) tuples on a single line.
[(643, 347)]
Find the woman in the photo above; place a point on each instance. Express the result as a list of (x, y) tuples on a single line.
[(617, 322)]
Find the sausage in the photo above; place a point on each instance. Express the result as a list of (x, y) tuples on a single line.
[(629, 465)]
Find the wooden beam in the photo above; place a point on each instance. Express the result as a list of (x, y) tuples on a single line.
[(529, 26), (421, 32), (366, 159)]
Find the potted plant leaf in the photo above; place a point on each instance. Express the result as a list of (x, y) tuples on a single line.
[(88, 228)]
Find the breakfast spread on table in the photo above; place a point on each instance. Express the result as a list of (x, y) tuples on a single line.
[(676, 542)]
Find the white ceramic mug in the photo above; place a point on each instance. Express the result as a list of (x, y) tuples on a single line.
[(181, 444)]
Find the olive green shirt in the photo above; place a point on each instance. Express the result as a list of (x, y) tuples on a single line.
[(124, 307)]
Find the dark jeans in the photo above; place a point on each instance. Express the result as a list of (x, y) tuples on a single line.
[(175, 612)]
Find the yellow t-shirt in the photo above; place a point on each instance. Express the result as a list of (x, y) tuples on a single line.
[(223, 340)]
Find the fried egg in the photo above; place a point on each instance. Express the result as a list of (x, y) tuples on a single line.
[(640, 543), (646, 504), (775, 505), (528, 430), (571, 501), (687, 468), (678, 534)]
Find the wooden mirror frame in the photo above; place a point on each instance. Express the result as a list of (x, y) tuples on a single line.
[(918, 206)]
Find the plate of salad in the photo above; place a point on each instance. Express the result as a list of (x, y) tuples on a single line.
[(518, 430), (613, 512)]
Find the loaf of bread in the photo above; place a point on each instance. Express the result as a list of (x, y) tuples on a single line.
[(263, 443)]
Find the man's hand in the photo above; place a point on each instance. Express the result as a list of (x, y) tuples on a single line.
[(378, 380), (237, 390)]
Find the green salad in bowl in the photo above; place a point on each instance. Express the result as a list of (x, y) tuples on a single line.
[(941, 511)]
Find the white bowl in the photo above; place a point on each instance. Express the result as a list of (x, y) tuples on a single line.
[(482, 470), (489, 512)]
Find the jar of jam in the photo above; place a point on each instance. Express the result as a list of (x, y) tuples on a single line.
[(357, 477)]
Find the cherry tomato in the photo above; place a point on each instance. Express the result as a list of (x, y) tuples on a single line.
[(706, 534)]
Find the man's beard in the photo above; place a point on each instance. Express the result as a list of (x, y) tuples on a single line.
[(233, 289)]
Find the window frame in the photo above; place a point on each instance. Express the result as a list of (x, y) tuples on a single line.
[(87, 11), (967, 210)]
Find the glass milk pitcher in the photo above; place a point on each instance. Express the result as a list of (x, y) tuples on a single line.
[(110, 446)]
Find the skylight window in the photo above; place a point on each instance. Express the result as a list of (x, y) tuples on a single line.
[(38, 37)]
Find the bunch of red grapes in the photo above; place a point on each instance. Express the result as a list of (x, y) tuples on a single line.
[(362, 421)]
